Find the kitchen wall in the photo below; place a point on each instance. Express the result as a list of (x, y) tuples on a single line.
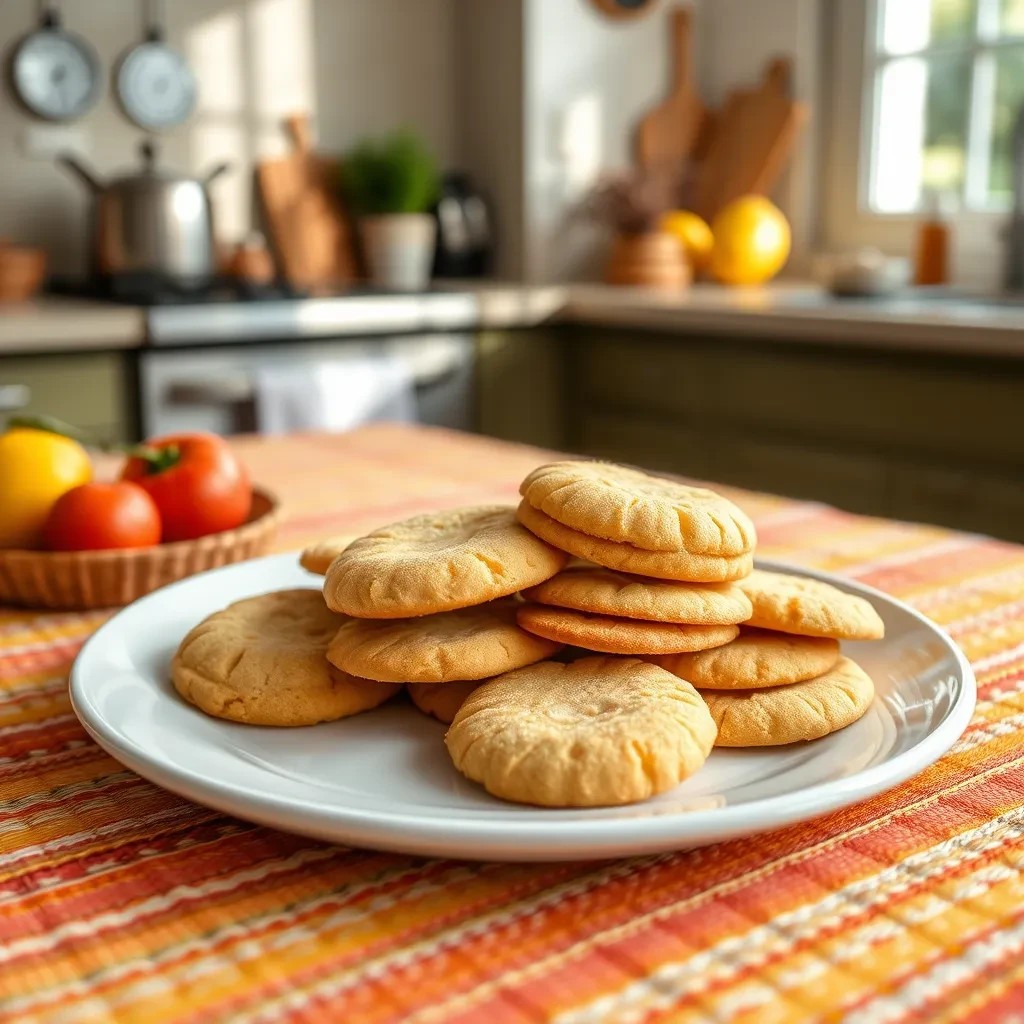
[(361, 66), (589, 80), (533, 97), (490, 110), (738, 39)]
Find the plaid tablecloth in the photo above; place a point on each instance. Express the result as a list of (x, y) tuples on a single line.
[(120, 902)]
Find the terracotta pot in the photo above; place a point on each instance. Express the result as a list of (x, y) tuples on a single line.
[(654, 259), (251, 261), (21, 272)]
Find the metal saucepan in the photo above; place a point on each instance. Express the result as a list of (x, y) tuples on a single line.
[(151, 222)]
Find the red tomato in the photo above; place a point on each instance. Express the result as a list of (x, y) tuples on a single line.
[(95, 517), (197, 482)]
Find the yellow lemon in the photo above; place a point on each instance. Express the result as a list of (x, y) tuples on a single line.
[(694, 233), (752, 241), (36, 468)]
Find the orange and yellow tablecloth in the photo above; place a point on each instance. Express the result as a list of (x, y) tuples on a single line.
[(120, 902)]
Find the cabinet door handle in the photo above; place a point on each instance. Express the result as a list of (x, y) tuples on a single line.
[(226, 391)]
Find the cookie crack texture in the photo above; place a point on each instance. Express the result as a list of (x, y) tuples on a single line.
[(805, 710), (460, 645), (594, 732), (654, 514), (493, 566), (263, 661), (646, 762), (793, 604), (439, 563)]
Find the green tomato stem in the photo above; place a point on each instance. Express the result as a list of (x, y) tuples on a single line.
[(156, 459)]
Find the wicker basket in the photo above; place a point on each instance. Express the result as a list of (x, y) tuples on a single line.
[(78, 580)]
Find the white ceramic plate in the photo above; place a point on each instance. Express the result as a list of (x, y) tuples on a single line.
[(384, 780)]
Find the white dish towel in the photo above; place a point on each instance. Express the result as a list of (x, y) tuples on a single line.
[(334, 396)]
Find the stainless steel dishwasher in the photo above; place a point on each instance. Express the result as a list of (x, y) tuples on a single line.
[(213, 388)]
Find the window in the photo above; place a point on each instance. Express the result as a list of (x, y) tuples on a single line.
[(944, 83)]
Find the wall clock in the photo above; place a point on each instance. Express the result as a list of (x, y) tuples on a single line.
[(154, 86), (54, 74), (624, 8)]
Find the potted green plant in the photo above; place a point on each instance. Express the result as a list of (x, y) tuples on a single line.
[(390, 184)]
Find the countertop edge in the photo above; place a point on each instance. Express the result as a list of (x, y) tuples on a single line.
[(783, 314)]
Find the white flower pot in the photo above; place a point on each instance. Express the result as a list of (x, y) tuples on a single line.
[(399, 250)]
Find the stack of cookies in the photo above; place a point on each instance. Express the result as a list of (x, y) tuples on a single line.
[(598, 679), (784, 679), (665, 555), (430, 602)]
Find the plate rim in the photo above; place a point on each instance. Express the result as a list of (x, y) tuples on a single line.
[(518, 838)]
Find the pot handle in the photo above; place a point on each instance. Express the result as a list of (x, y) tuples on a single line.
[(220, 169), (80, 171)]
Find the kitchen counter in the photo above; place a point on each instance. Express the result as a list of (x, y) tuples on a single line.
[(780, 312), (52, 324), (806, 313)]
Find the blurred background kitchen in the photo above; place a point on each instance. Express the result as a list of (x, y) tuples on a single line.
[(772, 243)]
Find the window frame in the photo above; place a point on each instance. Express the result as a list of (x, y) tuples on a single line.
[(847, 219)]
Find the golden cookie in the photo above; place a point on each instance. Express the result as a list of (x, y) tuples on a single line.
[(469, 643), (629, 506), (662, 565), (787, 714), (619, 636), (598, 731), (441, 700), (439, 562), (264, 661), (755, 659), (606, 592), (796, 604), (318, 557)]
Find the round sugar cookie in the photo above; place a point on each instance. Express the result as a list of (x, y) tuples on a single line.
[(263, 661), (629, 506), (796, 604), (788, 714), (606, 592), (664, 565), (318, 557), (439, 562), (756, 659), (468, 643), (441, 700), (612, 635), (594, 732)]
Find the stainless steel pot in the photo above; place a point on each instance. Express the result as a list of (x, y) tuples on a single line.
[(151, 222)]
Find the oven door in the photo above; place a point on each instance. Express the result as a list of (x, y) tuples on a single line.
[(214, 388)]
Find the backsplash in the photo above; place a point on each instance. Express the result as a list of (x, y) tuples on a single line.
[(359, 67)]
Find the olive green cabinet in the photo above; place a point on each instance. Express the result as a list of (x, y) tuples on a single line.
[(89, 390), (521, 386), (911, 435), (917, 436)]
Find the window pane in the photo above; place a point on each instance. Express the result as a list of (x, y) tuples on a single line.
[(1008, 100), (922, 130), (1011, 18), (911, 25)]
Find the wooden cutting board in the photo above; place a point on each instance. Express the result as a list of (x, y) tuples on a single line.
[(310, 233), (667, 135), (753, 139)]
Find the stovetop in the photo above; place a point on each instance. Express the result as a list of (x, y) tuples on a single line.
[(152, 290), (231, 311), (148, 290)]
